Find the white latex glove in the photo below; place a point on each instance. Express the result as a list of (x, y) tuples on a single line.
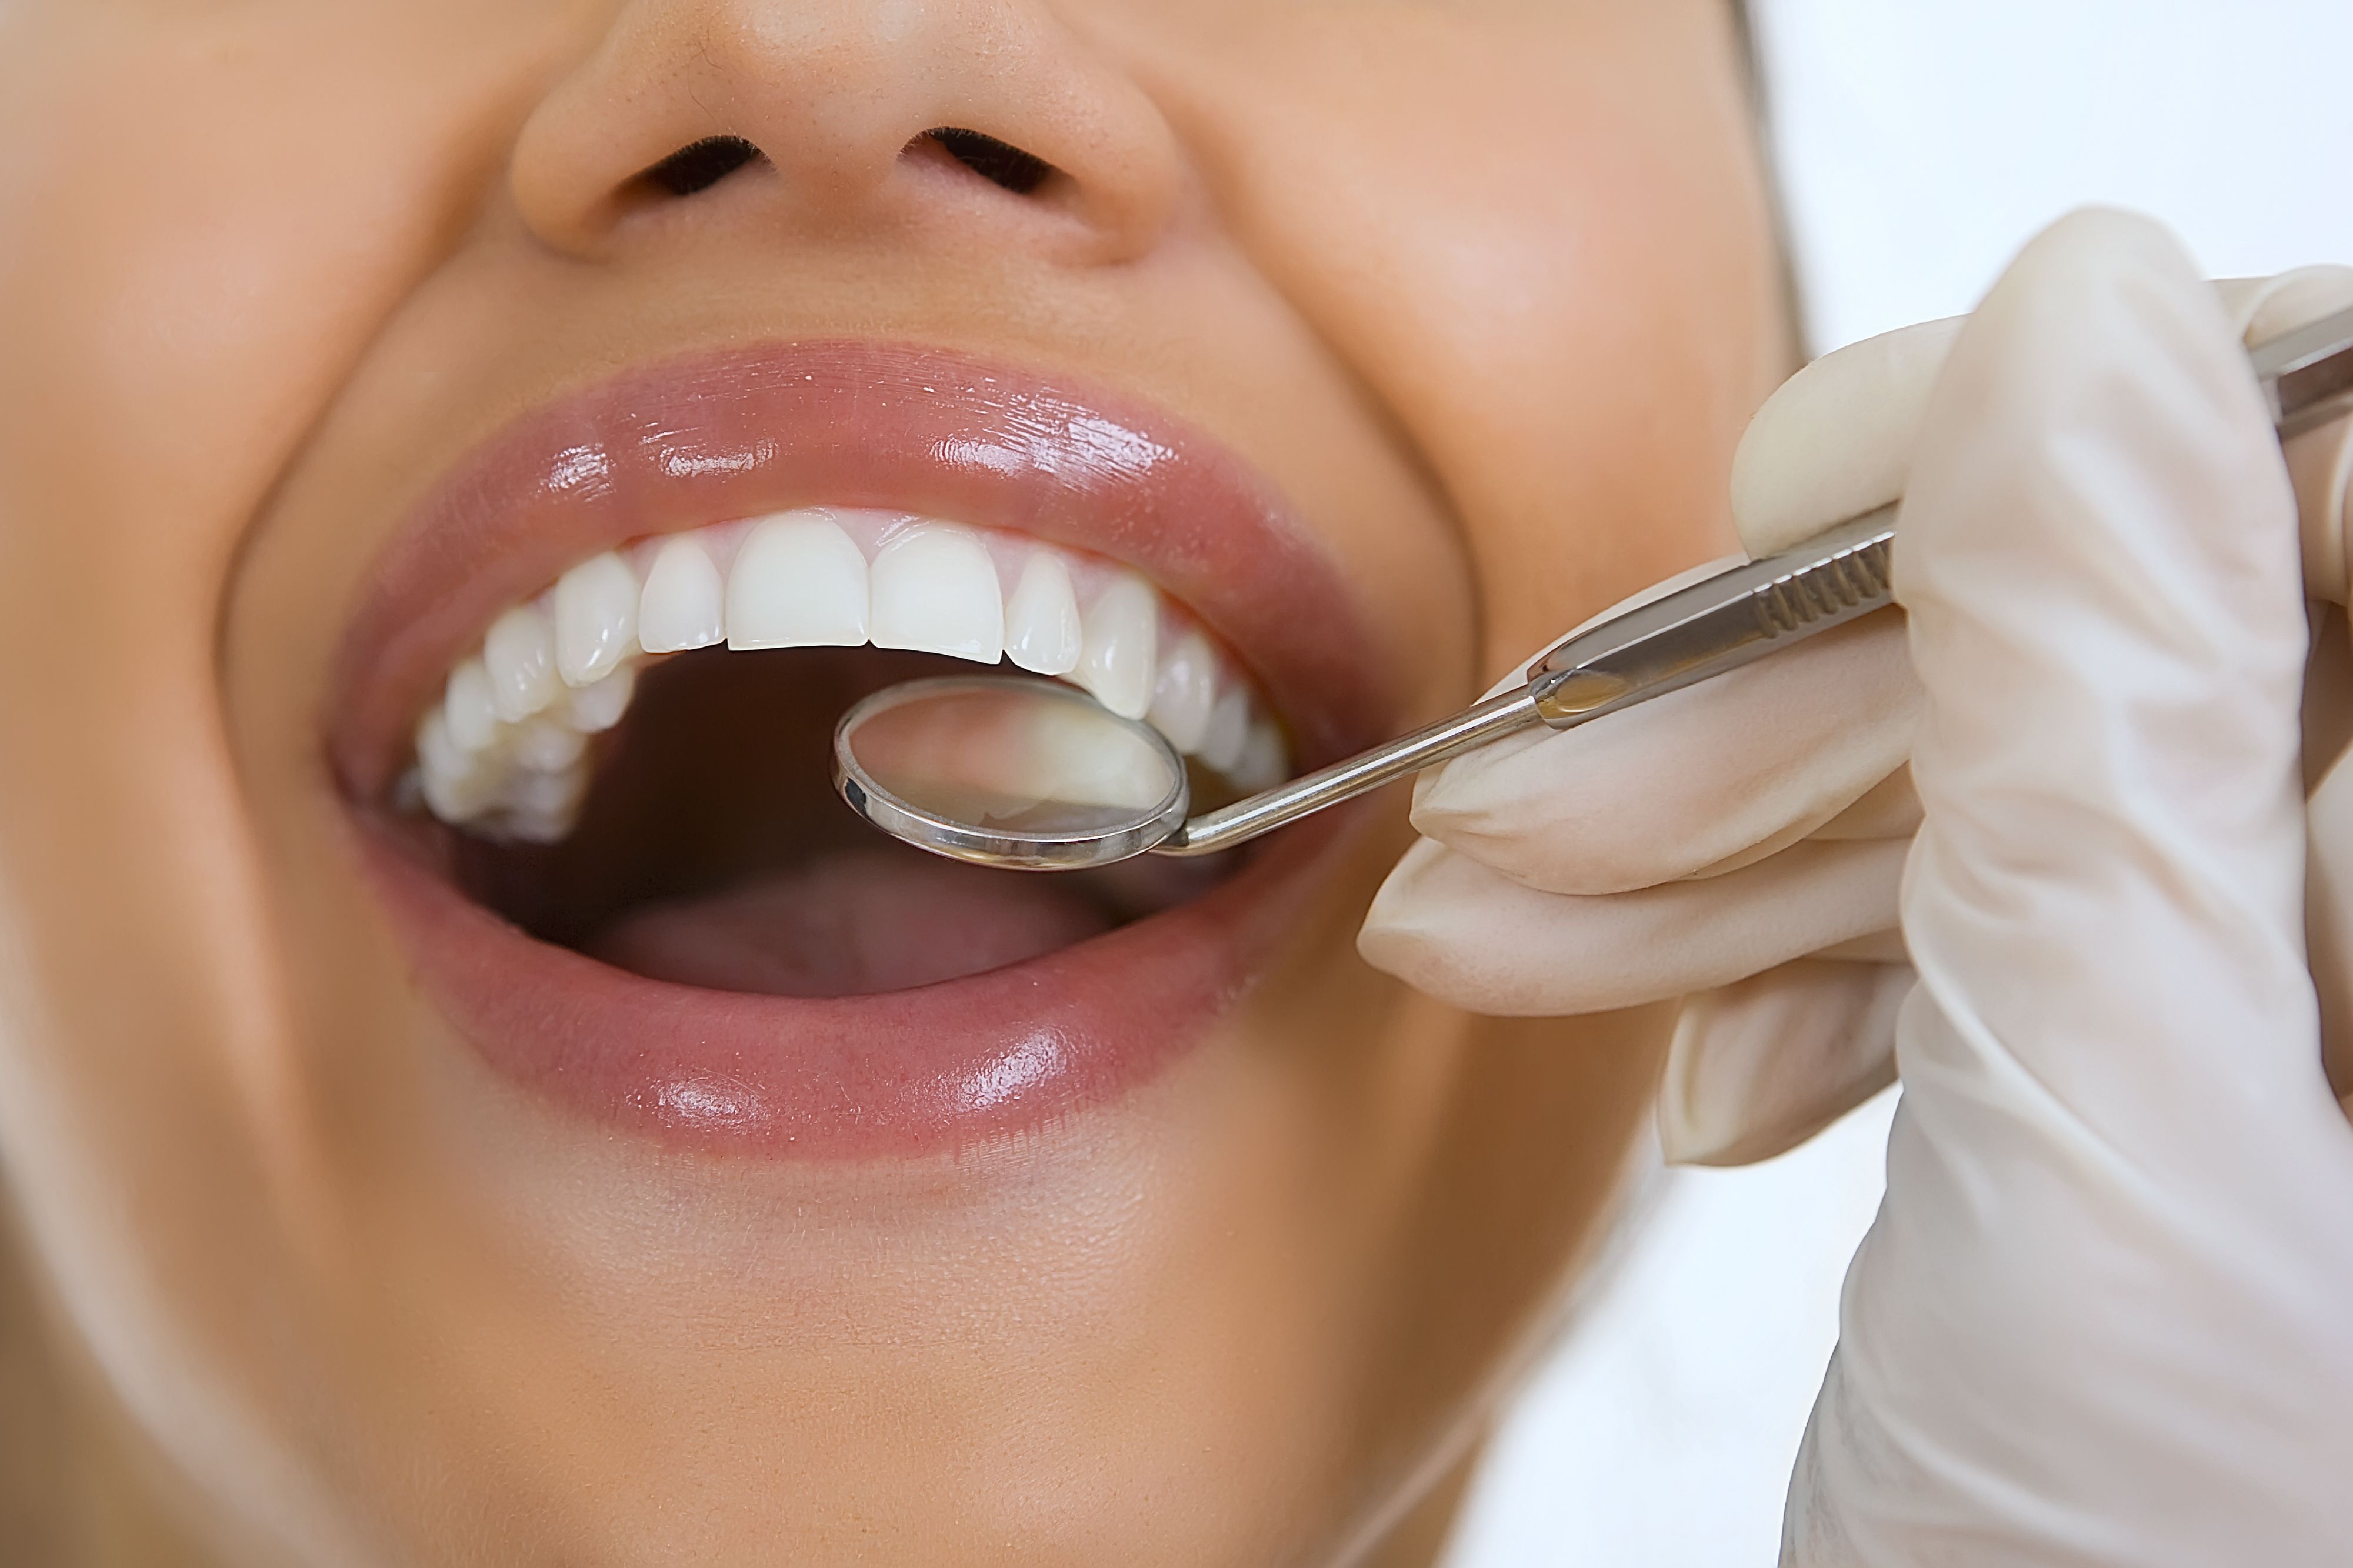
[(1740, 843), (2102, 1317)]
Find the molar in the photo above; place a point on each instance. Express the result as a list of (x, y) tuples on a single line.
[(684, 604), (456, 784), (520, 654), (933, 590), (545, 745), (542, 807), (595, 618), (1117, 655), (1042, 630), (798, 582)]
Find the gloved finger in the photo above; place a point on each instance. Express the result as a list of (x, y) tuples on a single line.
[(1836, 439), (1889, 809), (1726, 773), (1760, 1066), (2102, 566), (1711, 776), (2328, 916), (2261, 308), (1463, 932), (2320, 461)]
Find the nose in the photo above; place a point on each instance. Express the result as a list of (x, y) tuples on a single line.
[(849, 113)]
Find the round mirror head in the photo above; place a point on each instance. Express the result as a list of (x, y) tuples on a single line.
[(1006, 771)]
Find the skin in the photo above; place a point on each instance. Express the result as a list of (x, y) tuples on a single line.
[(1487, 289)]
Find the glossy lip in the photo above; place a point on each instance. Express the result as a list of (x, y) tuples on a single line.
[(703, 439)]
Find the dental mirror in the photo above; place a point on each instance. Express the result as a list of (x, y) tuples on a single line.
[(1006, 771)]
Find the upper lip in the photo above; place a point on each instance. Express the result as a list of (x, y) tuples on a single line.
[(715, 436)]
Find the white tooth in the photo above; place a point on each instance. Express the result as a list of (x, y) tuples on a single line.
[(1041, 620), (1229, 732), (935, 591), (519, 654), (457, 784), (1186, 692), (544, 745), (684, 604), (533, 827), (1265, 760), (1117, 656), (594, 709), (473, 719), (437, 750), (595, 618), (556, 793), (798, 582), (455, 801)]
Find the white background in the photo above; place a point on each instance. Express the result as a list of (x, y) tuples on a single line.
[(1920, 143)]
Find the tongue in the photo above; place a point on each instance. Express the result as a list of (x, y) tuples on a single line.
[(851, 923)]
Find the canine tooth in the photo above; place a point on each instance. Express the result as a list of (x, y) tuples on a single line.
[(472, 717), (798, 582), (519, 654), (595, 618), (1265, 762), (1117, 656), (1229, 731), (933, 590), (593, 710), (1043, 631), (1186, 692), (544, 745), (683, 603)]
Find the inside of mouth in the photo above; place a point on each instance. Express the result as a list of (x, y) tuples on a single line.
[(712, 851)]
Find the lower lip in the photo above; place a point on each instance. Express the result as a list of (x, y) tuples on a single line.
[(902, 1074)]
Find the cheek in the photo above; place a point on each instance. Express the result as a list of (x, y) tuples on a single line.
[(1544, 243), (188, 265)]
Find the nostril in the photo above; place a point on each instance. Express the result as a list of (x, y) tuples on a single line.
[(998, 163), (699, 165)]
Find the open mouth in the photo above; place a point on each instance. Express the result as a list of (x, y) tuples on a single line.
[(713, 856), (586, 718)]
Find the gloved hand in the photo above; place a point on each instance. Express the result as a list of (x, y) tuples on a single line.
[(2102, 1317), (1740, 844)]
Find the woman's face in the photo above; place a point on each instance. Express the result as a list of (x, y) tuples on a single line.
[(710, 1183)]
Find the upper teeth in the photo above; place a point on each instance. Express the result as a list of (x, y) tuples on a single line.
[(503, 751)]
